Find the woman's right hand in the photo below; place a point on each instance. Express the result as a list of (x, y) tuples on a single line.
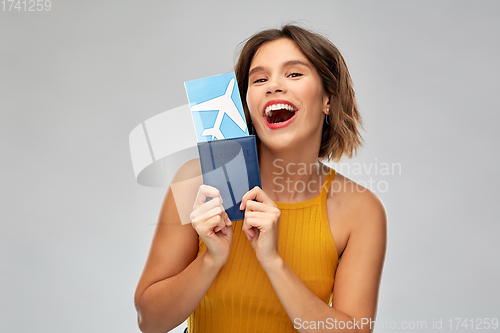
[(212, 224)]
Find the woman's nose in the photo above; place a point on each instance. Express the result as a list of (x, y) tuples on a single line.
[(275, 85)]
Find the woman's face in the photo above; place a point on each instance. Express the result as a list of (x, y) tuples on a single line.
[(285, 97)]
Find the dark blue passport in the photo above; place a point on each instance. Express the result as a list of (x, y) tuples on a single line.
[(231, 166)]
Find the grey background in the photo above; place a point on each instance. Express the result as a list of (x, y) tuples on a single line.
[(74, 81)]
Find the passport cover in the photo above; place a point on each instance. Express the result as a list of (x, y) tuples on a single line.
[(231, 166)]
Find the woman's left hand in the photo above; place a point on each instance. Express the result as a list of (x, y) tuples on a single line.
[(261, 224)]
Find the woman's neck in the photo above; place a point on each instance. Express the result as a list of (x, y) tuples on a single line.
[(291, 176)]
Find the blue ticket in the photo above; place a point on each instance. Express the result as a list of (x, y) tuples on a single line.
[(216, 107)]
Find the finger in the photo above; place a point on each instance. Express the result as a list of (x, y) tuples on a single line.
[(221, 225), (229, 232), (259, 219), (256, 194), (250, 195), (252, 233), (204, 192), (203, 208), (248, 229), (256, 232), (259, 207), (226, 219), (207, 227), (208, 214), (220, 228)]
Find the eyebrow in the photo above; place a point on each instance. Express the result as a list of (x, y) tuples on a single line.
[(285, 64)]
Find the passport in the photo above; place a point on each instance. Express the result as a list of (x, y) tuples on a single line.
[(228, 154), (231, 166)]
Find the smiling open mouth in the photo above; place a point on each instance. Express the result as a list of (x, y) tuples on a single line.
[(280, 116), (279, 113)]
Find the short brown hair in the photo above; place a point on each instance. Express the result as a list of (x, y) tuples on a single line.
[(341, 135)]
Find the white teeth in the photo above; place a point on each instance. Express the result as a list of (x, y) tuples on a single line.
[(269, 110)]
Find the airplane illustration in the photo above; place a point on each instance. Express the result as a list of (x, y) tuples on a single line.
[(225, 105)]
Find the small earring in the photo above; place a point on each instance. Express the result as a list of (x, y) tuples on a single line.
[(326, 116)]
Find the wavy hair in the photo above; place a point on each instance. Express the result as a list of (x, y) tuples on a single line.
[(341, 134)]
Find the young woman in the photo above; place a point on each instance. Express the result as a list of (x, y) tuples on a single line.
[(309, 254)]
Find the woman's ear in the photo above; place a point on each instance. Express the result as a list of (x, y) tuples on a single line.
[(326, 104)]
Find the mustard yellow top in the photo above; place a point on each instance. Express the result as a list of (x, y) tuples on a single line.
[(242, 299)]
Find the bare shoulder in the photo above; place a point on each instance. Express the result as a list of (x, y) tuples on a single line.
[(355, 202), (188, 170), (354, 209)]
